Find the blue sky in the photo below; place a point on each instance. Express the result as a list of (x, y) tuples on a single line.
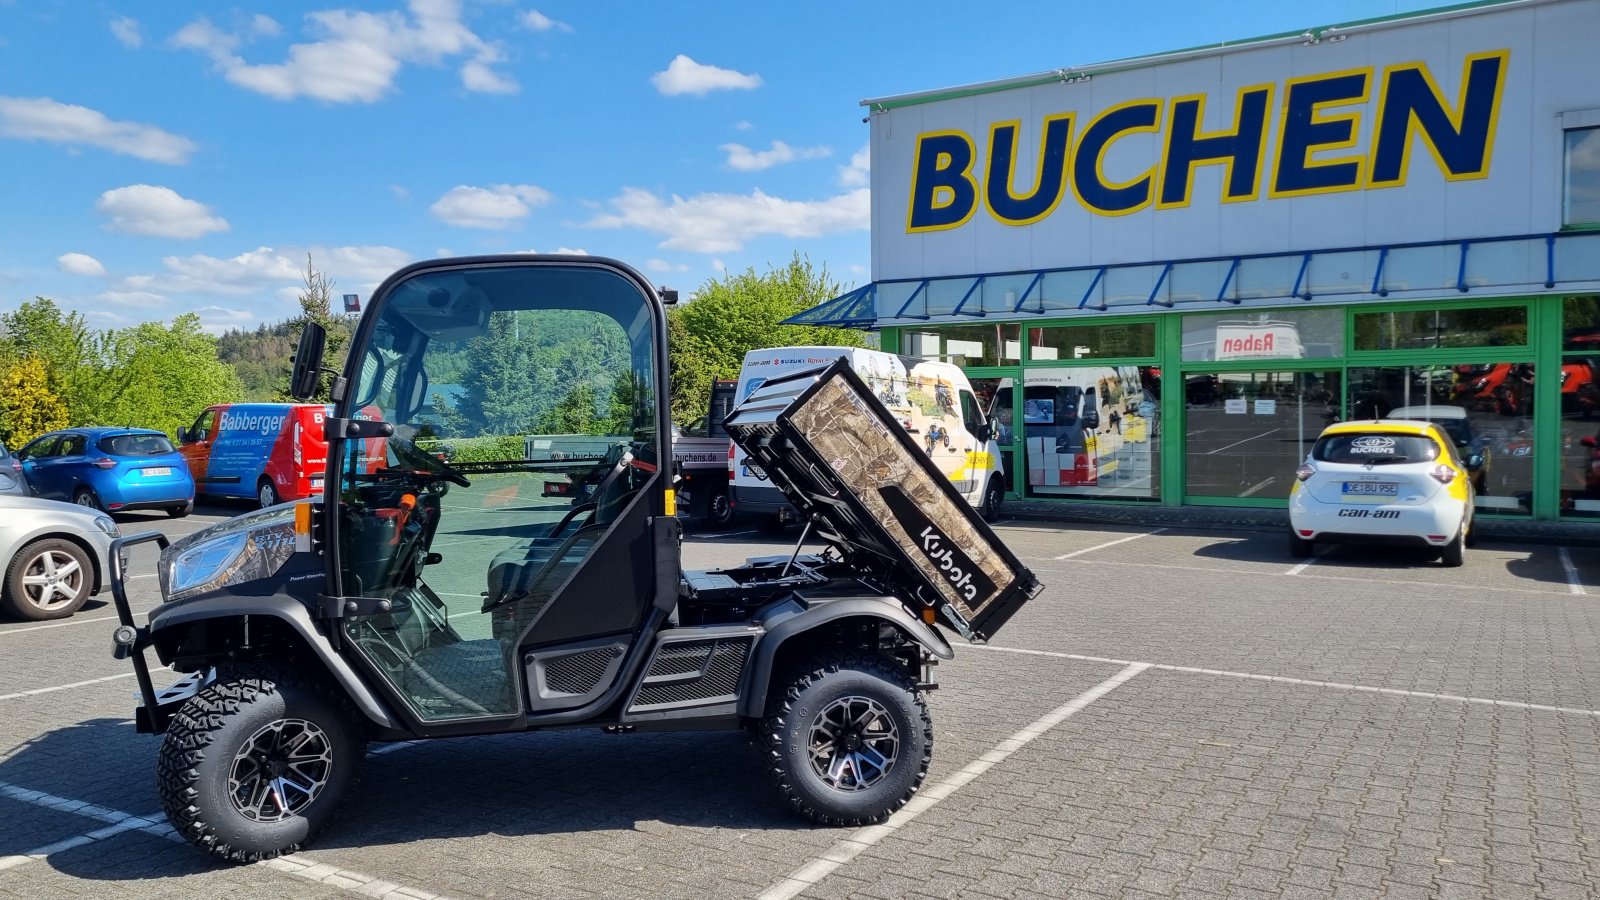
[(169, 157)]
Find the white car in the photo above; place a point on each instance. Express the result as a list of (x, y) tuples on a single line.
[(1388, 481), (55, 556)]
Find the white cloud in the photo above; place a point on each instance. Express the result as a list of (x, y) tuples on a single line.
[(685, 76), (743, 126), (356, 55), (127, 33), (718, 265), (400, 192), (269, 269), (135, 299), (497, 206), (859, 172), (80, 264), (157, 212), (722, 223), (661, 265), (262, 25), (538, 21), (570, 251), (744, 159), (43, 119)]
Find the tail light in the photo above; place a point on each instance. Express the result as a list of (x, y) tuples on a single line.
[(16, 464), (1305, 471), (299, 459), (1443, 474), (104, 462), (732, 449)]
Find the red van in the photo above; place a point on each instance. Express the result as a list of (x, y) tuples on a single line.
[(271, 452)]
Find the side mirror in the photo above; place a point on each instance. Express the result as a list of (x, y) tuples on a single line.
[(183, 434), (985, 433), (308, 362), (1475, 461)]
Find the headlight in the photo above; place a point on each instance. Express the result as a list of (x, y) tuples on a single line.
[(104, 523), (200, 565)]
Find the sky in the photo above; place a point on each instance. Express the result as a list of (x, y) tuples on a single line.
[(186, 156)]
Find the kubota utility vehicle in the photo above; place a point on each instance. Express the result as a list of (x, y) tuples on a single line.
[(420, 597)]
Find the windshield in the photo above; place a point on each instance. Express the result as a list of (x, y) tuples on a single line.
[(1374, 448), (135, 444)]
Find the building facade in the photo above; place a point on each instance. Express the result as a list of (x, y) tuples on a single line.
[(1168, 274)]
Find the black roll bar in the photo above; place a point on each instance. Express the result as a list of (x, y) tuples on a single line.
[(126, 639)]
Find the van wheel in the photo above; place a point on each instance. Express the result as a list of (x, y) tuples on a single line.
[(253, 766), (719, 511), (1299, 547), (1454, 553), (992, 499), (266, 494), (849, 741)]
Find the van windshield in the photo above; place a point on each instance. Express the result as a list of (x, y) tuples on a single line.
[(135, 444)]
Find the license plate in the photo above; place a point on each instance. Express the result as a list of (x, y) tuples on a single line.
[(1371, 488), (316, 484), (161, 470)]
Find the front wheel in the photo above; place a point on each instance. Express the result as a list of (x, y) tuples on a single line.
[(47, 579), (849, 742), (253, 767), (992, 500)]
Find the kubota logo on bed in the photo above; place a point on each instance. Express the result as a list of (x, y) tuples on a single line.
[(953, 564)]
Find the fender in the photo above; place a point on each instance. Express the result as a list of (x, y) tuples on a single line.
[(177, 615), (789, 618)]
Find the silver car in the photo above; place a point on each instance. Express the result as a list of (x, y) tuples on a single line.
[(55, 556), (11, 479)]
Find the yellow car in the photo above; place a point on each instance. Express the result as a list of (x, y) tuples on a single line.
[(1383, 481)]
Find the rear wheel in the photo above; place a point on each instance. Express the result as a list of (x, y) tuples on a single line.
[(86, 499), (48, 579), (993, 497), (1454, 553), (849, 741), (719, 510), (178, 512), (1299, 547), (266, 494), (253, 767)]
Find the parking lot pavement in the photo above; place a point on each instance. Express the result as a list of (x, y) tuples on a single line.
[(1178, 714)]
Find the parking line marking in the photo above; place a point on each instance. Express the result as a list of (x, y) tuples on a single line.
[(1260, 573), (73, 621), (1131, 537), (62, 687), (300, 866), (1308, 682), (1245, 441), (1574, 583), (1307, 564), (863, 839)]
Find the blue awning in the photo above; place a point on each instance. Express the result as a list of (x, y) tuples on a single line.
[(1520, 264)]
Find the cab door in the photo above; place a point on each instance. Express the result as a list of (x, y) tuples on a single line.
[(982, 452), (464, 588), (196, 447), (37, 469)]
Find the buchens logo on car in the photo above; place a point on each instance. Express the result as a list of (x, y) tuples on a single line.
[(1373, 444)]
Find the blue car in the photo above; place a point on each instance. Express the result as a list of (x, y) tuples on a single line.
[(110, 469)]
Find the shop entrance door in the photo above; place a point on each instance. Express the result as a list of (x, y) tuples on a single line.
[(996, 397)]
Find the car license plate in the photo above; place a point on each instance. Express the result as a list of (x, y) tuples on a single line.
[(160, 470), (1371, 488)]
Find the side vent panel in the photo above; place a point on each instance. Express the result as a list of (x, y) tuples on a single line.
[(691, 674), (573, 675)]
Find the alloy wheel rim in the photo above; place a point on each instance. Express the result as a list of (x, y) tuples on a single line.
[(265, 497), (87, 499), (280, 770), (853, 743), (52, 580)]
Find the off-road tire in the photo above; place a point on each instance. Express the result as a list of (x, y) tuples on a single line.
[(14, 599), (719, 510), (266, 493), (1453, 554), (198, 757), (1300, 548), (784, 739), (993, 497)]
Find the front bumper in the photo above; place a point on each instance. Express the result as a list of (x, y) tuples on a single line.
[(129, 640)]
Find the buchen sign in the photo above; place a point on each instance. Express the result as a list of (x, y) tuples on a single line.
[(1314, 148)]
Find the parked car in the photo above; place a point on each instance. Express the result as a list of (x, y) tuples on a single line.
[(55, 556), (110, 469), (1389, 481), (11, 480)]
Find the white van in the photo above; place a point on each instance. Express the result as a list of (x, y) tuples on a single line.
[(932, 399)]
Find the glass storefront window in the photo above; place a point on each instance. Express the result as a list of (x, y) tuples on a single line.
[(1580, 195), (1580, 422), (1248, 431), (966, 345), (1487, 408), (1277, 334), (1408, 329), (1090, 431), (1069, 342), (1580, 323)]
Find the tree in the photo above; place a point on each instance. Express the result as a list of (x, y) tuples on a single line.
[(316, 305), (160, 376), (709, 335), (28, 407), (71, 354)]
